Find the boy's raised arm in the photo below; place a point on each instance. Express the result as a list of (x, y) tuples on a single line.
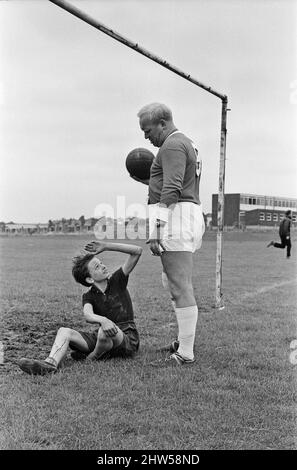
[(134, 251)]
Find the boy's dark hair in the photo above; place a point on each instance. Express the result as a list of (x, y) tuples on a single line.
[(80, 269), (288, 213)]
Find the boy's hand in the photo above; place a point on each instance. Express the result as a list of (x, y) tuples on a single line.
[(109, 328), (95, 247)]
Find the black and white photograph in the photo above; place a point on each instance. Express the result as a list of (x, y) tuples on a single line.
[(148, 215)]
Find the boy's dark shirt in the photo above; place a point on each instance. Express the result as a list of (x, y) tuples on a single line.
[(115, 303)]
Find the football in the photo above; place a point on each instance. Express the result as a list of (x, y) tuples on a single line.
[(138, 163)]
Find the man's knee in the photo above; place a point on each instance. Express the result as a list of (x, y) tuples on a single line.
[(180, 289)]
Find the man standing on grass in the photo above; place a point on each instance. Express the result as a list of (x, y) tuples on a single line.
[(176, 220), (284, 233)]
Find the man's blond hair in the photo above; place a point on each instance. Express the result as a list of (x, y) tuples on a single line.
[(154, 112)]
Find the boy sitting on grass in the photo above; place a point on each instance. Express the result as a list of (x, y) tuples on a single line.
[(107, 304)]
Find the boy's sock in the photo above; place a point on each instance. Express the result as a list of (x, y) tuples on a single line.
[(186, 319), (52, 361)]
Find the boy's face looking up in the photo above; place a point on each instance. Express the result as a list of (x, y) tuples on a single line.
[(97, 270)]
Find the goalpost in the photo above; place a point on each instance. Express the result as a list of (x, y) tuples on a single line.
[(220, 213)]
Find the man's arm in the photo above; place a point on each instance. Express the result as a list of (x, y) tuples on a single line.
[(155, 238), (134, 251), (107, 325)]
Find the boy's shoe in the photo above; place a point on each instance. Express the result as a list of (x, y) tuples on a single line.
[(35, 367), (270, 244), (172, 347), (78, 355)]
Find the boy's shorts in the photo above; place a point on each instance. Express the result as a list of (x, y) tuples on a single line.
[(184, 229), (128, 347)]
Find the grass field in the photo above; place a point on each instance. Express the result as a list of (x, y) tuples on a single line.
[(239, 394)]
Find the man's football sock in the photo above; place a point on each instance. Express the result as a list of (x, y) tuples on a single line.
[(186, 319)]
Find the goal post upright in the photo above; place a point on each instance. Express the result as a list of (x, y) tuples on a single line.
[(221, 203), (64, 4)]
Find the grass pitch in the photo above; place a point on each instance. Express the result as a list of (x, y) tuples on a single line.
[(239, 394)]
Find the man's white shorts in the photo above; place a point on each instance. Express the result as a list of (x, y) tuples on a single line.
[(184, 229)]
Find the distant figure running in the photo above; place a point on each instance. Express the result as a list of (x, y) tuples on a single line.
[(284, 233)]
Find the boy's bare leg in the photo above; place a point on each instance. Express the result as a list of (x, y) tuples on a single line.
[(61, 343), (59, 349), (106, 343)]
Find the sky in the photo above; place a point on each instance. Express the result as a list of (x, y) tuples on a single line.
[(69, 97)]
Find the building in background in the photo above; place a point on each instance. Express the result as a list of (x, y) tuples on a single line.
[(252, 210), (29, 229)]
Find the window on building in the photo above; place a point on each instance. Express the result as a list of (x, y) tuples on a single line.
[(294, 218), (275, 217), (268, 217), (252, 201), (262, 216)]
